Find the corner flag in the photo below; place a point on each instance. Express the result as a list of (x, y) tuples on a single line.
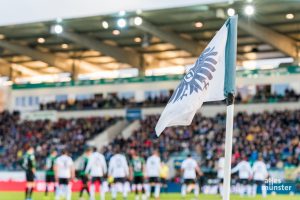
[(212, 78)]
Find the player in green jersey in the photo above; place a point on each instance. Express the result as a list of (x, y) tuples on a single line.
[(29, 165), (50, 178), (137, 166), (83, 174)]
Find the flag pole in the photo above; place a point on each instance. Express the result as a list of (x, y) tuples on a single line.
[(229, 90), (228, 146)]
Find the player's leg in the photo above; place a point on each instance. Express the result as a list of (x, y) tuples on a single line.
[(135, 188), (29, 190), (164, 185), (144, 195), (141, 188), (221, 187), (249, 188), (125, 186), (157, 189), (241, 187), (142, 191), (50, 180), (184, 188), (254, 188), (58, 192), (148, 189), (26, 188), (139, 181), (29, 185), (136, 193), (114, 189), (69, 192), (196, 189), (151, 187), (92, 188), (103, 187), (47, 185), (263, 189), (26, 191), (84, 186), (65, 188)]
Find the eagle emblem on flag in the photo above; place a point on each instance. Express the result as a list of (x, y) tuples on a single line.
[(197, 79)]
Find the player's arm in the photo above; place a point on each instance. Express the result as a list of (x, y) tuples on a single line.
[(104, 165), (126, 167), (131, 171), (47, 164), (266, 172), (72, 171), (88, 167), (182, 168), (33, 164), (235, 169), (250, 172), (253, 170), (198, 171), (55, 168), (219, 165), (144, 168), (110, 167)]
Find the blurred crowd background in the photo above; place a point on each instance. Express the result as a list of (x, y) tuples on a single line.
[(275, 135), (98, 101)]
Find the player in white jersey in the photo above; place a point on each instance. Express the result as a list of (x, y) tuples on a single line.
[(220, 173), (153, 173), (190, 169), (245, 172), (260, 173), (97, 169), (64, 172), (119, 170)]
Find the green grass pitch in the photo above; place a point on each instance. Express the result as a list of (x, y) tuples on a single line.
[(171, 196)]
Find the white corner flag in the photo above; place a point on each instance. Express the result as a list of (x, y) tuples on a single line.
[(212, 78), (204, 82)]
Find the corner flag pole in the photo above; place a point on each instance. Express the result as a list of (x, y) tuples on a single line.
[(228, 146), (229, 90)]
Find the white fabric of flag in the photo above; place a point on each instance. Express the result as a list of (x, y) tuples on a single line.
[(203, 82)]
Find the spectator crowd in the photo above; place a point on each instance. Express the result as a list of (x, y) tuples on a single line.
[(275, 135), (100, 102), (113, 101), (44, 135)]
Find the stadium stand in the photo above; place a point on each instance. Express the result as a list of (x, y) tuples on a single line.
[(273, 134), (44, 135), (113, 101)]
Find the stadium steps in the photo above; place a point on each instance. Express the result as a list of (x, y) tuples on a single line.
[(106, 136), (135, 125)]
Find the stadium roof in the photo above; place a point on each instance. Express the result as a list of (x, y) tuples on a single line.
[(167, 37)]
